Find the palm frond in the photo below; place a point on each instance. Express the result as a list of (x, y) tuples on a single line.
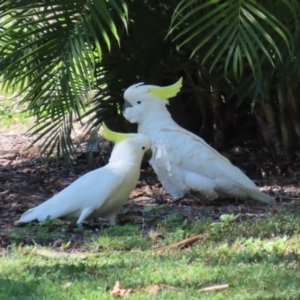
[(50, 51), (240, 32)]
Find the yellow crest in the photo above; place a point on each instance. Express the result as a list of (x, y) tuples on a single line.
[(115, 136), (166, 92)]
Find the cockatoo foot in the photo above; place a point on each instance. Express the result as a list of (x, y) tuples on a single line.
[(190, 195), (79, 225), (178, 199), (159, 199)]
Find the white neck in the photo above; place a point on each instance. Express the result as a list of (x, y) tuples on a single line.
[(154, 119), (125, 155)]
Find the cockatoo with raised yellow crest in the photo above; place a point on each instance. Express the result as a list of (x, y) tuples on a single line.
[(99, 193), (184, 163)]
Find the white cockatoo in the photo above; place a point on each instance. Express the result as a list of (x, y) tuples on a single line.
[(184, 163), (101, 192)]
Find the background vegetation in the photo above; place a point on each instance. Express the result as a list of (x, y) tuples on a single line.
[(239, 61)]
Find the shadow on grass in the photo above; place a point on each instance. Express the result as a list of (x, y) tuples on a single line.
[(50, 279), (17, 290)]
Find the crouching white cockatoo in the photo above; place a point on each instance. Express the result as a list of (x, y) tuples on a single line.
[(101, 192), (184, 163)]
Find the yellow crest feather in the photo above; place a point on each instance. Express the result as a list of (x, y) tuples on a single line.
[(166, 92), (115, 136)]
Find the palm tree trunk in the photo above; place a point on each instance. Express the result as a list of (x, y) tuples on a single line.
[(266, 122), (294, 111), (285, 135), (219, 125)]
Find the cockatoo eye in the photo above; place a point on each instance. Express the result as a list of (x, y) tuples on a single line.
[(138, 102), (143, 148)]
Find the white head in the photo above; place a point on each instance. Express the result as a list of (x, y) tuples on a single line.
[(141, 100), (127, 146)]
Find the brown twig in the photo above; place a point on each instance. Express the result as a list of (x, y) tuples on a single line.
[(219, 287), (183, 243)]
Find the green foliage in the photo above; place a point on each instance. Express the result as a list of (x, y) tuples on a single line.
[(121, 230), (51, 52), (150, 213), (73, 60), (242, 33), (176, 220)]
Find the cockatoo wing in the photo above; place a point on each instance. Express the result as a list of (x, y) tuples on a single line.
[(89, 191), (179, 147), (176, 148)]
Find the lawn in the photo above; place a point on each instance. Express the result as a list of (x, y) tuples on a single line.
[(257, 257)]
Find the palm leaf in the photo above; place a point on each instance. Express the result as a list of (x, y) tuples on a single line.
[(240, 32), (49, 51)]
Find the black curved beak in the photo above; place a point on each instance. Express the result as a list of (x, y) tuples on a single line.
[(126, 105), (148, 154)]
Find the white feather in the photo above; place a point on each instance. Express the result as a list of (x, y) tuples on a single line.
[(183, 161), (101, 192)]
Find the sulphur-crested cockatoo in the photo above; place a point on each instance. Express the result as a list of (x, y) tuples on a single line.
[(183, 162), (101, 192)]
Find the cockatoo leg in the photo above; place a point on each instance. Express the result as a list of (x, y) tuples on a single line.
[(188, 195), (178, 199), (84, 214), (112, 220)]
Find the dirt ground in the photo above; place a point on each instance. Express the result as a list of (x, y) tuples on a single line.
[(26, 182)]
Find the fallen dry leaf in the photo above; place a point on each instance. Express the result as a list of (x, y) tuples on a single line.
[(136, 193), (217, 288), (154, 288), (181, 244), (119, 291)]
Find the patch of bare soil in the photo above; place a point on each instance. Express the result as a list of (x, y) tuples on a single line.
[(26, 182)]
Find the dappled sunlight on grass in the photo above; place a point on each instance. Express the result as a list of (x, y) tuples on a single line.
[(258, 258)]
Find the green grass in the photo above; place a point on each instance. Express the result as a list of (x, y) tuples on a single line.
[(258, 258), (10, 112)]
